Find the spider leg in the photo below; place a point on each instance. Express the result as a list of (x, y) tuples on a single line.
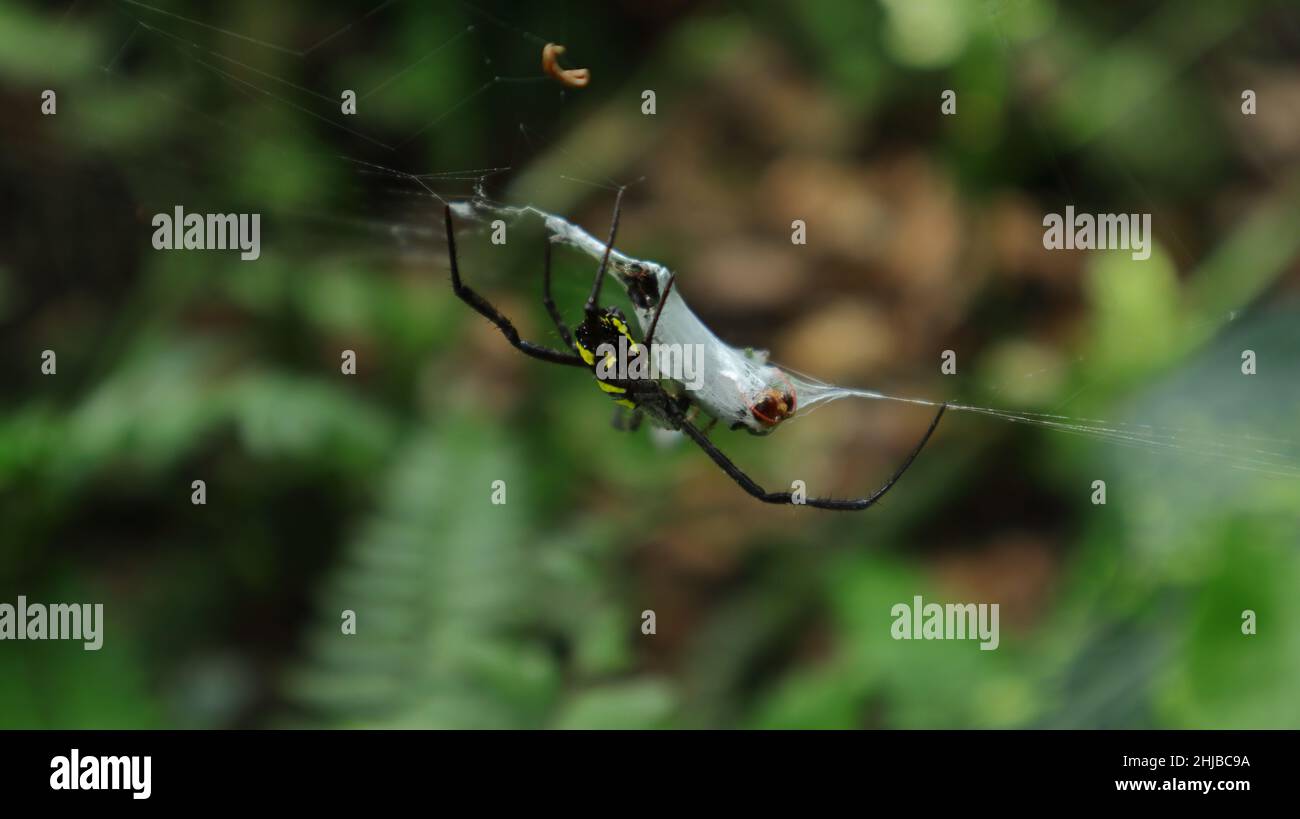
[(485, 309), (747, 483), (550, 302), (625, 420), (663, 299), (593, 301), (713, 422)]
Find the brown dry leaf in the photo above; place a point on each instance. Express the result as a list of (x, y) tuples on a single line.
[(924, 233), (1271, 136), (843, 342), (1015, 570), (1012, 227), (743, 275), (780, 107), (844, 216)]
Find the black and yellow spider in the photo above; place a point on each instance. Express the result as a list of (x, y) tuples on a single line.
[(642, 396)]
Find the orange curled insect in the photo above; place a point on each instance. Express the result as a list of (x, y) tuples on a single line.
[(568, 77)]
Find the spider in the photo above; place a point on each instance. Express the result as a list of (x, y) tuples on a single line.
[(644, 396)]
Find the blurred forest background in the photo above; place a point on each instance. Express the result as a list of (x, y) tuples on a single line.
[(371, 492)]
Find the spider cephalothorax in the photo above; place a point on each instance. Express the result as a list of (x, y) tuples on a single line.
[(603, 329), (601, 340), (604, 335)]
